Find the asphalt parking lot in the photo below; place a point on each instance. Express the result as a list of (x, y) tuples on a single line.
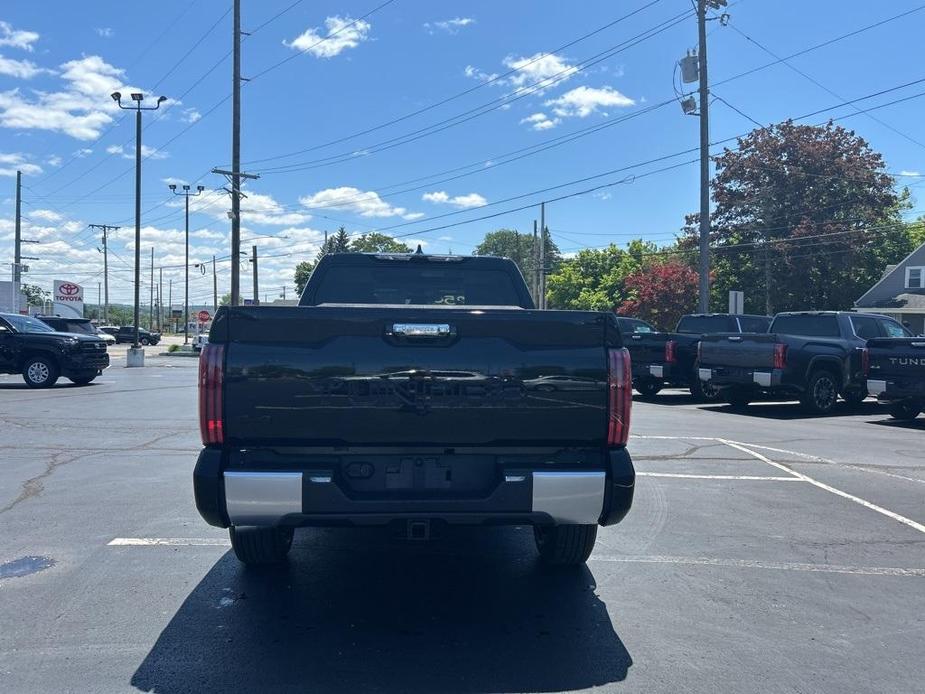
[(765, 552)]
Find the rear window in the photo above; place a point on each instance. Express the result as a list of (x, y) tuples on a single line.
[(632, 325), (75, 327), (754, 324), (700, 325), (808, 325), (414, 284)]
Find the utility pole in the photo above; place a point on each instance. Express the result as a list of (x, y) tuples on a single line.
[(151, 304), (254, 261), (536, 267), (284, 292), (542, 303), (160, 298), (17, 244), (170, 319), (99, 296), (214, 288), (704, 89), (105, 241), (235, 175), (187, 195)]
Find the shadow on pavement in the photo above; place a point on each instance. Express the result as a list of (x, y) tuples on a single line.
[(900, 424), (682, 397), (355, 611), (792, 410), (62, 384)]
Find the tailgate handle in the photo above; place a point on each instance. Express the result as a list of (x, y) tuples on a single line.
[(918, 344), (422, 329), (734, 338)]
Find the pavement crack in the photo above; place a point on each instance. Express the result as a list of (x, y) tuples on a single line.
[(34, 486)]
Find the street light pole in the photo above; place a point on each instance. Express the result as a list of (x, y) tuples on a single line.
[(134, 358), (187, 195)]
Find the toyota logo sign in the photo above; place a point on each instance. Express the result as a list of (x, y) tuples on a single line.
[(68, 289), (69, 293)]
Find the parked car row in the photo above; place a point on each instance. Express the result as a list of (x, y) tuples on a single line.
[(813, 356), (126, 334)]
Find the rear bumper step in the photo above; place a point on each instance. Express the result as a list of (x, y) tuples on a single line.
[(309, 497)]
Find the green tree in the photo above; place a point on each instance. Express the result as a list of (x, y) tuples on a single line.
[(508, 243), (811, 209), (374, 242), (594, 279), (34, 294)]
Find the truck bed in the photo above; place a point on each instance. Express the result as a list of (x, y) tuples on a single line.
[(897, 368)]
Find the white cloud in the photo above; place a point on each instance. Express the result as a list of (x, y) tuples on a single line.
[(171, 180), (46, 215), (450, 26), (21, 69), (258, 209), (341, 33), (81, 109), (440, 197), (445, 238), (540, 121), (17, 38), (542, 69), (105, 32), (146, 152), (190, 115), (53, 160), (480, 75), (10, 163), (583, 101), (364, 203), (81, 153), (911, 174)]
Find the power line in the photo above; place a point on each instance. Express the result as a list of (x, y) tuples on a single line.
[(493, 79)]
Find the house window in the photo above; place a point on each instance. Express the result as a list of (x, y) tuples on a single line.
[(915, 278)]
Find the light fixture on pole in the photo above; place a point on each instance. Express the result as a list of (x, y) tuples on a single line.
[(186, 195), (135, 353)]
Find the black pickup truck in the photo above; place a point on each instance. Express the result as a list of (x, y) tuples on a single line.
[(31, 348), (811, 355), (670, 359), (896, 374), (413, 390)]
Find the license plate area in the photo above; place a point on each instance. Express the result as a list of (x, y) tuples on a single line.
[(418, 476)]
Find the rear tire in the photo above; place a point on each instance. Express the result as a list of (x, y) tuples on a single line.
[(145, 341), (647, 388), (260, 546), (82, 379), (738, 398), (704, 391), (40, 372), (854, 397), (821, 392), (564, 545), (904, 411)]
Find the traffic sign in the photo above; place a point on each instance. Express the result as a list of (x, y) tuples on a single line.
[(204, 316)]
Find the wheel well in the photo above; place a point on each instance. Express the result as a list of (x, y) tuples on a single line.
[(826, 365)]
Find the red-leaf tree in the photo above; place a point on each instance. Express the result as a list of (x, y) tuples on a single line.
[(661, 293)]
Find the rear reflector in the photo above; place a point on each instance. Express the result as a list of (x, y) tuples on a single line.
[(865, 360), (780, 355), (670, 351), (211, 426), (620, 381)]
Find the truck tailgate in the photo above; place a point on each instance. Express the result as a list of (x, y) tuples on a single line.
[(897, 357), (744, 351), (366, 376), (647, 348)]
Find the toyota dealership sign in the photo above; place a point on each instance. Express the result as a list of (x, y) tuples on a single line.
[(69, 299)]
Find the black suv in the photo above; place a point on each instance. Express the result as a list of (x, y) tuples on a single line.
[(127, 334), (38, 352)]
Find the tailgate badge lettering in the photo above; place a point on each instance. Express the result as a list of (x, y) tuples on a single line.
[(421, 329)]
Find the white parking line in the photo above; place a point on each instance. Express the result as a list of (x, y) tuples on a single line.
[(169, 542), (718, 477), (757, 564), (816, 483)]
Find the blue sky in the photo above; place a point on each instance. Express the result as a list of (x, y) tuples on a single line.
[(362, 127)]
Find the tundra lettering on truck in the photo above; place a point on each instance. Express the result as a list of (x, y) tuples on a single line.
[(907, 361)]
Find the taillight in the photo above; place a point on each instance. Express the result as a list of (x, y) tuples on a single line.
[(211, 426), (865, 361), (780, 356), (620, 382), (670, 351)]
